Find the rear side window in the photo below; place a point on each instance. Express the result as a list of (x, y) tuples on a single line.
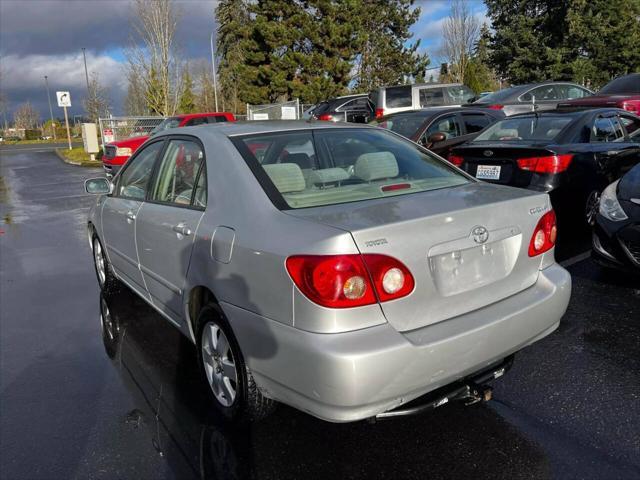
[(632, 127), (347, 165), (178, 173), (448, 125), (459, 94), (430, 97), (568, 92), (543, 93), (474, 122), (606, 130), (217, 119), (397, 97), (192, 122)]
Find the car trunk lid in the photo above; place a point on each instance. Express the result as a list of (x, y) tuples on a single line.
[(467, 246), (498, 163)]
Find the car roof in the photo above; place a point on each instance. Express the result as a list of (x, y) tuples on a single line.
[(197, 115), (570, 112), (428, 111), (249, 127)]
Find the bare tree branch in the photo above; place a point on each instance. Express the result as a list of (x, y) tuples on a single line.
[(460, 33)]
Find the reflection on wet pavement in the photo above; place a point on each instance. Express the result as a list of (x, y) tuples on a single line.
[(103, 387)]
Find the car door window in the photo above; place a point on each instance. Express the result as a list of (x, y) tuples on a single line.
[(568, 92), (196, 121), (177, 175), (217, 119), (430, 97), (632, 127), (541, 94), (448, 125), (133, 181), (605, 129), (474, 122)]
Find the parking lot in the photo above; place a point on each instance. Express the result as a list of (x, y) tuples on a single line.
[(569, 408)]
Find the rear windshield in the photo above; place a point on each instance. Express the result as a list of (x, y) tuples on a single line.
[(329, 166), (320, 108), (460, 94), (626, 84), (499, 96), (396, 97), (405, 125), (525, 129)]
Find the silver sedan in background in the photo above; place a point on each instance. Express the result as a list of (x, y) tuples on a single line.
[(342, 270)]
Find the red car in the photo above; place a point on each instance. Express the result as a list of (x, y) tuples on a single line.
[(117, 153), (622, 92)]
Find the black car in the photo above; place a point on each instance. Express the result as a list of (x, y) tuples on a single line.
[(350, 108), (439, 128), (522, 98), (572, 155), (616, 233)]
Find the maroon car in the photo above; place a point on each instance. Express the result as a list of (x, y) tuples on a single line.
[(623, 92)]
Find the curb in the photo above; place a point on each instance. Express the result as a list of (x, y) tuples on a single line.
[(77, 164)]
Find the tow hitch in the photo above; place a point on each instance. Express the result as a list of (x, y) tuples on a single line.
[(471, 390)]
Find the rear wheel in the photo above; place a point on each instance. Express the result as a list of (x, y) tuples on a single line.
[(231, 385)]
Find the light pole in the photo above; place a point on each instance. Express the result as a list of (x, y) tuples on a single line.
[(213, 69), (86, 74), (53, 125)]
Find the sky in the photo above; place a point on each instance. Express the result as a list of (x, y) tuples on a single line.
[(46, 37)]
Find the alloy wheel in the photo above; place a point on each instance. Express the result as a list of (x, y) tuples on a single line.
[(98, 258), (219, 364), (591, 208)]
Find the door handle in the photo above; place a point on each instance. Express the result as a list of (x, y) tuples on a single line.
[(182, 229), (130, 216)]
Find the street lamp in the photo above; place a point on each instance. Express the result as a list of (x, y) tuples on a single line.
[(86, 74), (213, 69), (53, 125)]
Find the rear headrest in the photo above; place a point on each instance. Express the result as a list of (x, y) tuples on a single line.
[(328, 175), (376, 165), (287, 177), (505, 133)]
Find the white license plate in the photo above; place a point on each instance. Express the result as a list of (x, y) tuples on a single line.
[(488, 172)]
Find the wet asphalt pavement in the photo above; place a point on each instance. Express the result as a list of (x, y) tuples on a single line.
[(75, 406)]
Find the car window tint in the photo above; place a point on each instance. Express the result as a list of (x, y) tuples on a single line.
[(621, 85), (543, 93), (217, 119), (430, 97), (448, 125), (352, 165), (474, 122), (404, 124), (176, 176), (133, 181), (632, 127), (606, 130), (398, 96), (200, 197)]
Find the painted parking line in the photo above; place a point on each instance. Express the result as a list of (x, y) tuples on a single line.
[(576, 259)]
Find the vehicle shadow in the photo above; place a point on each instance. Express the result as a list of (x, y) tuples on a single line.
[(159, 368)]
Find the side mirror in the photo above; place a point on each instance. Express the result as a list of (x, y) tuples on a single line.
[(98, 186), (437, 137)]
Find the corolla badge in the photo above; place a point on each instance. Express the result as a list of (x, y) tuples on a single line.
[(480, 234), (488, 153)]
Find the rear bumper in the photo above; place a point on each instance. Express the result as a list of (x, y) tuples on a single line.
[(355, 375)]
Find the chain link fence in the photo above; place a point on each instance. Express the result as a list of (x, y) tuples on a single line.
[(118, 128), (275, 111)]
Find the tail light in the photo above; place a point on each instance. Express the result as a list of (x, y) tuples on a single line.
[(344, 281), (325, 117), (544, 235), (457, 160), (379, 112), (495, 107), (549, 164), (631, 106)]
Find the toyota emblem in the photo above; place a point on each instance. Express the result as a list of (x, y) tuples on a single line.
[(488, 153), (480, 234)]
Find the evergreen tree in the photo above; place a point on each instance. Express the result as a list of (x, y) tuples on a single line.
[(384, 58), (479, 76), (187, 102)]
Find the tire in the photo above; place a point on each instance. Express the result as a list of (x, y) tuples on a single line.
[(591, 207), (107, 281), (233, 391)]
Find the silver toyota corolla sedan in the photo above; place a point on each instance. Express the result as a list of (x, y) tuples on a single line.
[(342, 270)]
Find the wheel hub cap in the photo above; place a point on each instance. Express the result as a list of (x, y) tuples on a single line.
[(219, 364)]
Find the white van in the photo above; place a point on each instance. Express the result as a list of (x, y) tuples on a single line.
[(419, 95)]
